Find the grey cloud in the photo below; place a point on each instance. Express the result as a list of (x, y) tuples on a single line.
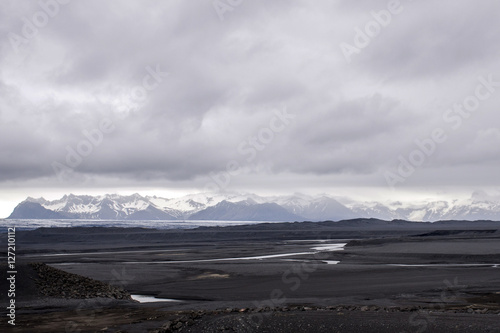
[(433, 39), (226, 79)]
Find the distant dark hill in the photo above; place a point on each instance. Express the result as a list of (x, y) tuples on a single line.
[(354, 232), (457, 232), (246, 211)]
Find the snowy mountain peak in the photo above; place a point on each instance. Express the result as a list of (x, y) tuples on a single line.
[(40, 200), (480, 206)]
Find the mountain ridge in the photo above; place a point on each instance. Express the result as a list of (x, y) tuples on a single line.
[(250, 207)]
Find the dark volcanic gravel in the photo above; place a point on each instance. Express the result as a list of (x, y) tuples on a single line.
[(344, 321), (391, 277), (53, 282)]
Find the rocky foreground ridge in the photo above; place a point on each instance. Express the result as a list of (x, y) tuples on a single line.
[(53, 282)]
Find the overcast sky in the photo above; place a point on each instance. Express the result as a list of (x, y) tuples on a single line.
[(289, 96)]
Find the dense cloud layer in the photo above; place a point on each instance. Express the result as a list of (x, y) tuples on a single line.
[(156, 92)]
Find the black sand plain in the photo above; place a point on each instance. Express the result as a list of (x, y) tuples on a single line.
[(389, 277)]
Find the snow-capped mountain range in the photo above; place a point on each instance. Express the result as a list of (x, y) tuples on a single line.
[(251, 207)]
